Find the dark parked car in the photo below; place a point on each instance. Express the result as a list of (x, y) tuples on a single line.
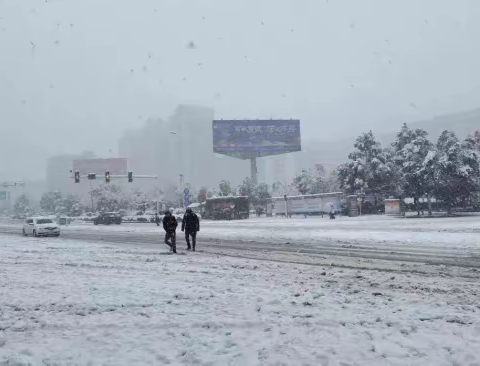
[(108, 218)]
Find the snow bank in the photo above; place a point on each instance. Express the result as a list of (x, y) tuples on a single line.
[(66, 302)]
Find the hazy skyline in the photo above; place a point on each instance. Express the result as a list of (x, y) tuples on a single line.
[(74, 75)]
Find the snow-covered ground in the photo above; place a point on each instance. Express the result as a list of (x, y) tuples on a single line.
[(66, 302)]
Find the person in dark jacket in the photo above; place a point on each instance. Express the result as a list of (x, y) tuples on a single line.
[(191, 225), (170, 226)]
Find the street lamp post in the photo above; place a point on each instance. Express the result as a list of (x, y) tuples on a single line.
[(181, 159)]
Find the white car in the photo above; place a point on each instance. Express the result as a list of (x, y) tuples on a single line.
[(40, 226)]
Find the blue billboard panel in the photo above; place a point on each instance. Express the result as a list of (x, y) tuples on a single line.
[(3, 195), (245, 139)]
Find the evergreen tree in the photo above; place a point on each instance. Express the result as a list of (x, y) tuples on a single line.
[(470, 157), (304, 182), (111, 198), (311, 181), (456, 169), (22, 205), (70, 206), (411, 148), (202, 194), (369, 168), (247, 188), (50, 201), (261, 194), (257, 194), (225, 188), (279, 189), (476, 139), (331, 182)]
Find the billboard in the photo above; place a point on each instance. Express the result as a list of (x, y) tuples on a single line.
[(245, 139), (3, 195), (308, 204), (311, 205), (116, 166)]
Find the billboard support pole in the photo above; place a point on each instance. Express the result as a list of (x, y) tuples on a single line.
[(253, 170), (91, 194)]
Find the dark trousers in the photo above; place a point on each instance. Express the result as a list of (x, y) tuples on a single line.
[(193, 234), (172, 243)]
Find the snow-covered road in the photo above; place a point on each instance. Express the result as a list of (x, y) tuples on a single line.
[(65, 302), (450, 241)]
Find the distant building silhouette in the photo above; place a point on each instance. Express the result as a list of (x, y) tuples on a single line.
[(182, 144)]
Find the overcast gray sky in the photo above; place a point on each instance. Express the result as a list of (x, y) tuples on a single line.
[(74, 74)]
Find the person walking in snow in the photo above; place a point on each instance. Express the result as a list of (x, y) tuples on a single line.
[(191, 225), (332, 213), (157, 219), (170, 226)]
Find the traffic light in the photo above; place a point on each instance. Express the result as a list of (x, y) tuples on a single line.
[(92, 176), (77, 176), (107, 176), (130, 177)]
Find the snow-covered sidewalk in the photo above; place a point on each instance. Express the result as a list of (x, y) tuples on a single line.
[(64, 302)]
